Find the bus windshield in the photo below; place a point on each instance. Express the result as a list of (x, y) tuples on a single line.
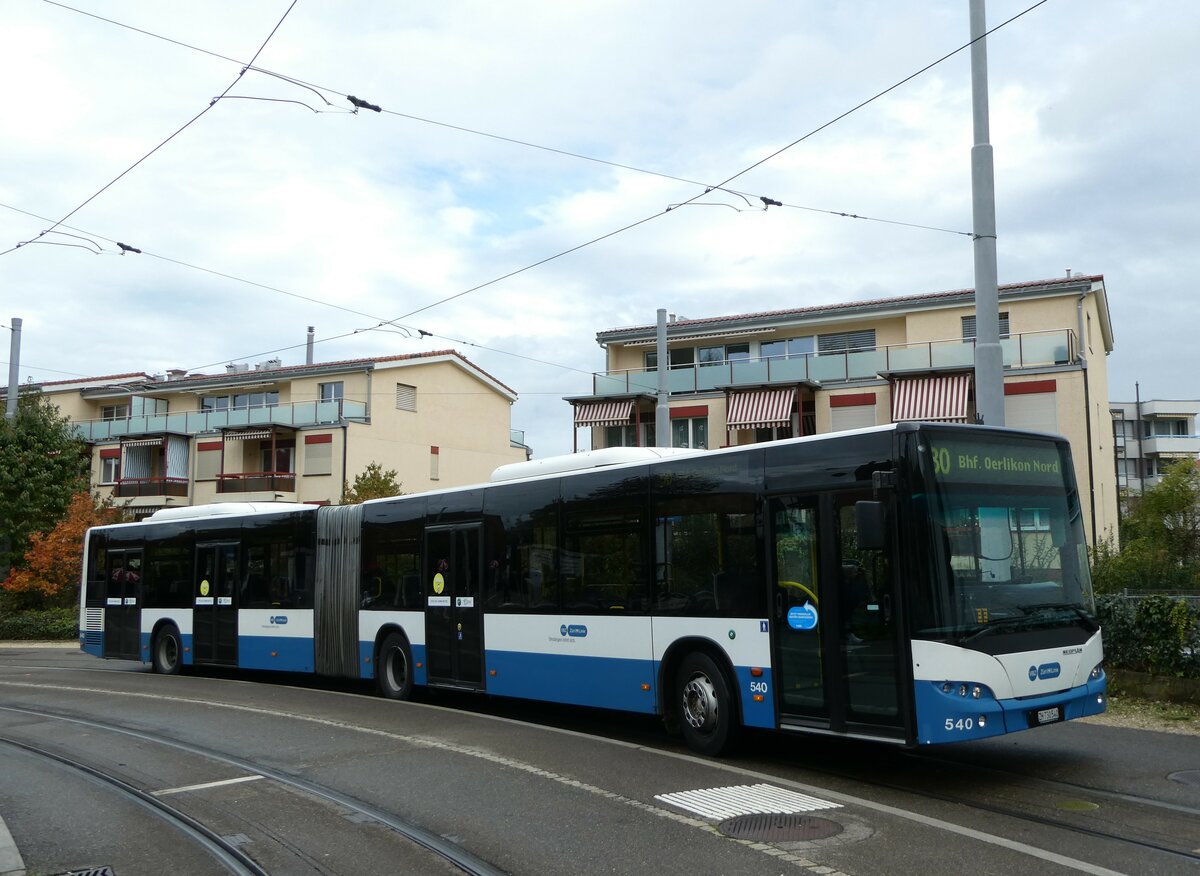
[(1006, 546)]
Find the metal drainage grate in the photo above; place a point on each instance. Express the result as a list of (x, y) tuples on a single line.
[(779, 828), (1186, 777)]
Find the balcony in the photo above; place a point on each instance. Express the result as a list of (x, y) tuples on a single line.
[(257, 482), (140, 487), (1026, 350), (1171, 445), (312, 413)]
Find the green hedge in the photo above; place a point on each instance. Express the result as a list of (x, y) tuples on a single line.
[(1155, 634), (45, 625)]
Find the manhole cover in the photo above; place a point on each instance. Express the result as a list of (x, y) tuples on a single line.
[(777, 828), (1186, 777)]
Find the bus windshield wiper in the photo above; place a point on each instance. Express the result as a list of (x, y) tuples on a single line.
[(1088, 620), (995, 626)]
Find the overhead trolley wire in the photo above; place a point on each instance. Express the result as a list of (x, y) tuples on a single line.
[(179, 131)]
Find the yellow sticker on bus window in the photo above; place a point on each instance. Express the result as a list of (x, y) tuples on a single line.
[(439, 583), (204, 587)]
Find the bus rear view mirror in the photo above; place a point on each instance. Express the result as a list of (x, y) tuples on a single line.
[(869, 521)]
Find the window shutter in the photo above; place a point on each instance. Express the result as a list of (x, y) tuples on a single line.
[(406, 397), (842, 341)]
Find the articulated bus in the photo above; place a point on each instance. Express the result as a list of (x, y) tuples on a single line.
[(914, 583)]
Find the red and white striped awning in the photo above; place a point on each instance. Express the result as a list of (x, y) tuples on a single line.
[(603, 413), (143, 442), (760, 408), (249, 435), (942, 398)]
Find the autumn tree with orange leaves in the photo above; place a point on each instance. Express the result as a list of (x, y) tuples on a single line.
[(49, 575)]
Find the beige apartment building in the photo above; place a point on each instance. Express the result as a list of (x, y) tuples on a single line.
[(290, 434), (755, 377)]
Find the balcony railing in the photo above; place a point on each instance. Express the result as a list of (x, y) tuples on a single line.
[(311, 413), (127, 487), (257, 482), (1026, 350), (1171, 445)]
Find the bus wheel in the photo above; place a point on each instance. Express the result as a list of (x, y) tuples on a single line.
[(393, 668), (168, 652), (705, 705)]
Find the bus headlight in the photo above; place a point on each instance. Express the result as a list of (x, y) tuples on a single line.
[(1097, 671), (966, 689)]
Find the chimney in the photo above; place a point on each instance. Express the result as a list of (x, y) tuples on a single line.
[(308, 354), (176, 373)]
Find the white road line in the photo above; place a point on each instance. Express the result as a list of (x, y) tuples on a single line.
[(166, 791), (729, 802)]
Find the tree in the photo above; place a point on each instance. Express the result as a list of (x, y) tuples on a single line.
[(51, 569), (42, 465), (372, 483)]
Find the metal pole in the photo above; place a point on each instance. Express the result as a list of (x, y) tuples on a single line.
[(662, 412), (989, 357), (14, 369)]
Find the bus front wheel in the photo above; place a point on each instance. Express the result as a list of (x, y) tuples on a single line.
[(706, 709), (168, 652), (393, 669)]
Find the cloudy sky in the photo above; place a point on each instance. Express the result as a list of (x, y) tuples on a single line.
[(278, 208)]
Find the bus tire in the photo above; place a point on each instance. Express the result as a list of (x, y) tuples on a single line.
[(393, 668), (167, 656), (706, 707)]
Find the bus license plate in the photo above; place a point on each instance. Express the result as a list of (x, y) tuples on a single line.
[(1049, 716)]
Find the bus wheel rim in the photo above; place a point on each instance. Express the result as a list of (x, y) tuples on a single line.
[(700, 702)]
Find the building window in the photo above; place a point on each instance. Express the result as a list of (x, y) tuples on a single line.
[(318, 454), (711, 355), (208, 460), (681, 357), (626, 435), (788, 349), (242, 401), (690, 432), (968, 326), (331, 391), (843, 342), (280, 462), (406, 397), (114, 412), (110, 469)]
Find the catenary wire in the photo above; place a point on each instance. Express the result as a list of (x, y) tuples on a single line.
[(317, 89), (179, 131)]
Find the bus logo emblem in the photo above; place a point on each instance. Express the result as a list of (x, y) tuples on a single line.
[(1045, 671)]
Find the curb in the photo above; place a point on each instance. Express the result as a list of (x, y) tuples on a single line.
[(10, 858), (17, 643)]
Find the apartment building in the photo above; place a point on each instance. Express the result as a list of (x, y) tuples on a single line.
[(1149, 437), (290, 433), (753, 377)]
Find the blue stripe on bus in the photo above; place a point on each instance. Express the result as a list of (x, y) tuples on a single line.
[(604, 682), (288, 654), (947, 717)]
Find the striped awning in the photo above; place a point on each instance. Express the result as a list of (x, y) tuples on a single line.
[(251, 435), (760, 408), (942, 398), (143, 442), (603, 413)]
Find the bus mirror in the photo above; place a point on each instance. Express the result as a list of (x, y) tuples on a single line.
[(868, 519)]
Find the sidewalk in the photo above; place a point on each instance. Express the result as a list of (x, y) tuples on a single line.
[(18, 643), (10, 858)]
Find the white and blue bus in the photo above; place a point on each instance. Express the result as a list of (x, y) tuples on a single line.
[(914, 583)]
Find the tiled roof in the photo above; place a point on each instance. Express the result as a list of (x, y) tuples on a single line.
[(849, 306)]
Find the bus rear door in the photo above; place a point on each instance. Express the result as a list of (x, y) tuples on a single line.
[(214, 619), (122, 605), (453, 613), (836, 640)]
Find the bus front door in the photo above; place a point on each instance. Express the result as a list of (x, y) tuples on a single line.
[(453, 613), (123, 605), (836, 637), (214, 619)]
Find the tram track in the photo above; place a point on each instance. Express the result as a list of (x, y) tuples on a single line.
[(226, 853), (440, 847)]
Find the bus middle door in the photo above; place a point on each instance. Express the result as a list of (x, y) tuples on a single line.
[(214, 619), (453, 610), (123, 605)]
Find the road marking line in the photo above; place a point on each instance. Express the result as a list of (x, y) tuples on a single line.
[(181, 790), (734, 800)]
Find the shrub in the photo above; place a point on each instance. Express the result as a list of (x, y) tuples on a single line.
[(51, 624), (1155, 634)]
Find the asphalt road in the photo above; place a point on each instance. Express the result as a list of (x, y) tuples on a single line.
[(328, 779)]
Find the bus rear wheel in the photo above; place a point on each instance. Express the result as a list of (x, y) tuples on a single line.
[(393, 668), (706, 708), (168, 652)]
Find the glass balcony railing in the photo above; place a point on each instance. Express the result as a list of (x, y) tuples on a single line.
[(1026, 350), (311, 413)]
